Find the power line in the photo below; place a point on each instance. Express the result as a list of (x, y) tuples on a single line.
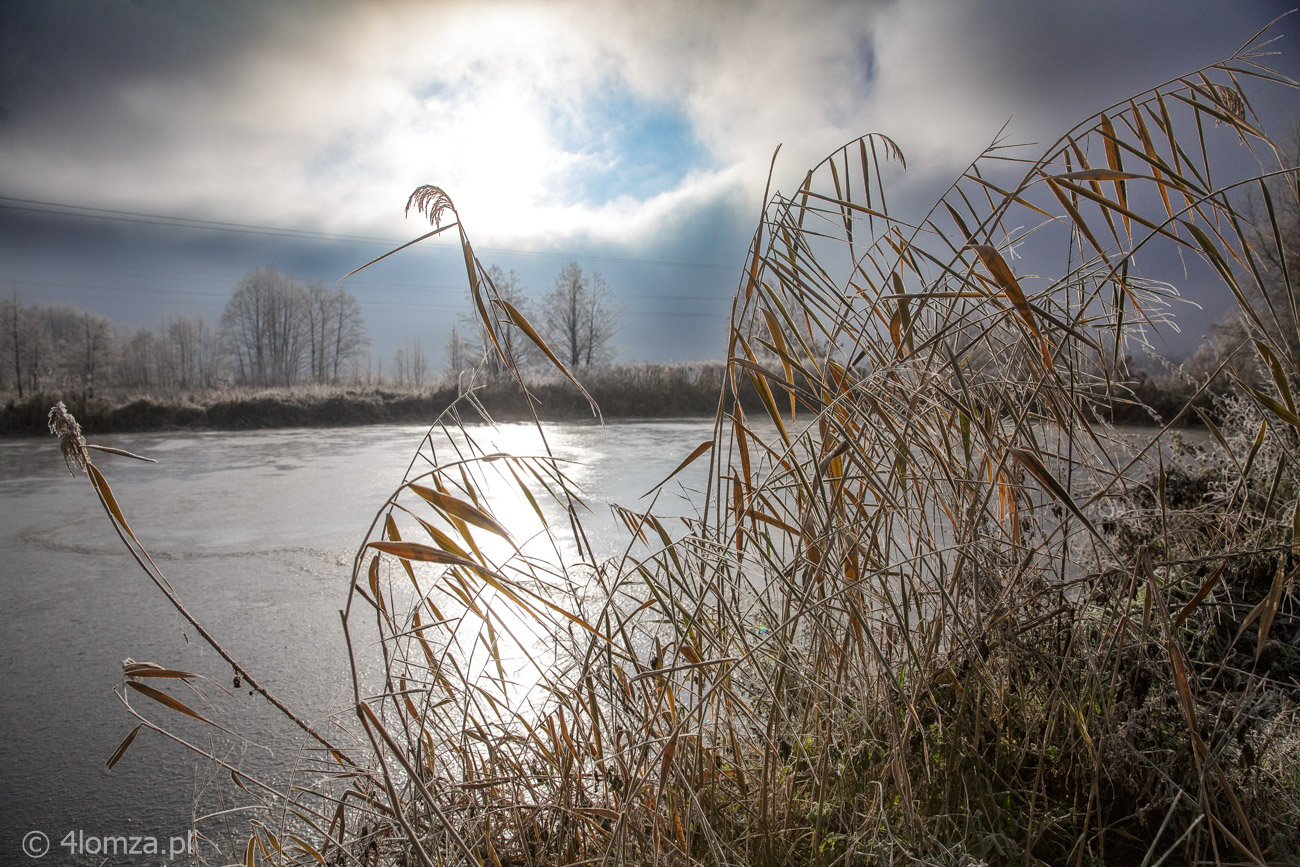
[(232, 276), (365, 302), (398, 288), (87, 212), (62, 209)]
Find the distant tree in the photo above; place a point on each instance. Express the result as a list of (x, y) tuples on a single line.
[(1228, 341), (135, 364), (62, 322), (579, 317), (266, 328), (27, 345), (461, 354), (1274, 303), (177, 348), (209, 360), (367, 370), (94, 350), (351, 338), (511, 340), (318, 315), (59, 329), (62, 346), (336, 331), (602, 319), (14, 337), (411, 364), (188, 353)]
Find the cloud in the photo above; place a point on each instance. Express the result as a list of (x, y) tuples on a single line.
[(543, 120), (328, 114), (951, 75)]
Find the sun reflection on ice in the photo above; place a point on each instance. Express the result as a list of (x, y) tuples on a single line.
[(493, 559)]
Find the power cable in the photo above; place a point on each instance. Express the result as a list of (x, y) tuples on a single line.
[(63, 209)]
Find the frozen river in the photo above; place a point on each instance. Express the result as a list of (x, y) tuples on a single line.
[(257, 533)]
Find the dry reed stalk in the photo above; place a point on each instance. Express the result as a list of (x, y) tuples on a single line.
[(933, 609)]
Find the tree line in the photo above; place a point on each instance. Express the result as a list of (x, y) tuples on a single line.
[(275, 331), (279, 331), (577, 318)]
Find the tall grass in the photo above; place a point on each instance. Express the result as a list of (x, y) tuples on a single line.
[(930, 610)]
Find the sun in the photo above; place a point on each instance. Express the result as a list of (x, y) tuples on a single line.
[(484, 117)]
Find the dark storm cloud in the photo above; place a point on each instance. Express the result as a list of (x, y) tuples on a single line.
[(62, 63), (951, 75)]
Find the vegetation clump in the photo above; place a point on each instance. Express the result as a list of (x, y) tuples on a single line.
[(621, 390), (930, 609)]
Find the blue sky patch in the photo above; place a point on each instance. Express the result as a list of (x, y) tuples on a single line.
[(636, 146)]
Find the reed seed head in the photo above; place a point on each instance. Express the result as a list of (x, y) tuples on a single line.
[(430, 201), (71, 442)]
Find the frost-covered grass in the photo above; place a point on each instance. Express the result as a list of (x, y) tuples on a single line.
[(929, 609)]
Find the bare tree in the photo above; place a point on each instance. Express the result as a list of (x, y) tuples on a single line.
[(28, 347), (411, 364), (563, 313), (208, 356), (601, 321), (1273, 310), (461, 355), (336, 331), (349, 332), (94, 350), (56, 345), (266, 328), (64, 347), (513, 342), (179, 344), (317, 313), (135, 360), (60, 327), (188, 354), (579, 317), (14, 338)]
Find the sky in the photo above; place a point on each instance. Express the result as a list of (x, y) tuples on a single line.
[(152, 153)]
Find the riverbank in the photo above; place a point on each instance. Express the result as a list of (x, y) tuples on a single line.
[(649, 391), (627, 392)]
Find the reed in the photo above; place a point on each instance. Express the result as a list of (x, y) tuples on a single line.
[(931, 608)]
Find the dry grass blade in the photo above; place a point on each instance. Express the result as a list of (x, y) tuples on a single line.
[(152, 671), (1099, 175), (426, 236), (1030, 462), (120, 452), (106, 497), (699, 450), (1203, 592), (524, 325), (175, 704), (1269, 609), (425, 554), (1006, 281), (461, 510), (123, 747)]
